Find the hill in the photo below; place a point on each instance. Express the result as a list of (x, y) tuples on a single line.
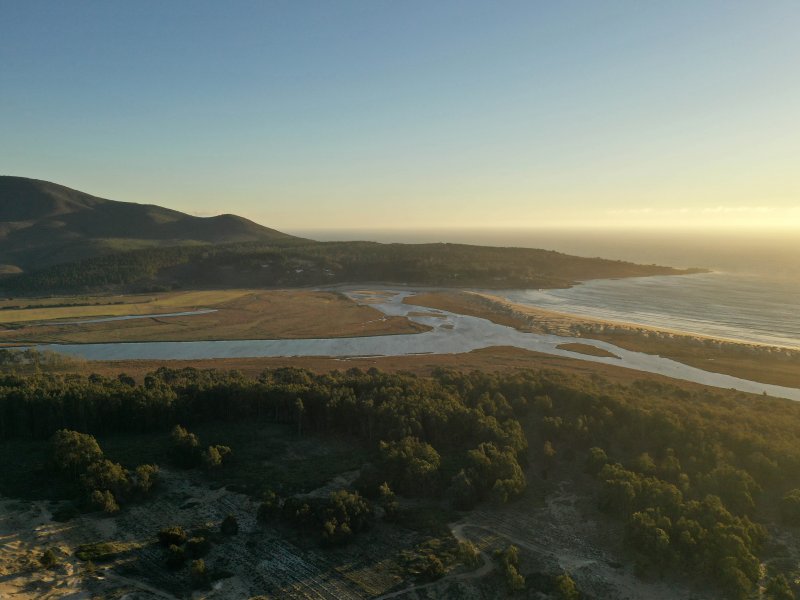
[(57, 240), (43, 224)]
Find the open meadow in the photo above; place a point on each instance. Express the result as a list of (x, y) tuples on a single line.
[(218, 315)]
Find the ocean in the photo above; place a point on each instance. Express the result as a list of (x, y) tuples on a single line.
[(752, 293)]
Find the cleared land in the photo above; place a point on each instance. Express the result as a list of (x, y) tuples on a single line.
[(240, 314), (747, 361), (259, 560)]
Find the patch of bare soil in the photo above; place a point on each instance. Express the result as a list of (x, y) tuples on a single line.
[(562, 534), (256, 561)]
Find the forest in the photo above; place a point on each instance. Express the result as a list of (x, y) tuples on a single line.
[(296, 262), (701, 480)]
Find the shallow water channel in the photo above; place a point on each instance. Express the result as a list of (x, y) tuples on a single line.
[(450, 334)]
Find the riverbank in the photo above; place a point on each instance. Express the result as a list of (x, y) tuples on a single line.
[(448, 333), (757, 362)]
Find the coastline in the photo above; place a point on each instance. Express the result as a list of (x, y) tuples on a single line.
[(757, 362)]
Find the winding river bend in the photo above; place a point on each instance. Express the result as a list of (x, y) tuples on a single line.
[(450, 334)]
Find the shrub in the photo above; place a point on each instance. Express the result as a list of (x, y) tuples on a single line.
[(199, 574), (197, 547), (145, 477), (270, 507), (175, 556), (565, 588), (99, 551), (49, 559), (468, 554), (214, 456), (229, 526), (105, 501), (170, 536)]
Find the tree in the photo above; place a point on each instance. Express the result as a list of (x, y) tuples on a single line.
[(388, 500), (565, 588), (509, 561), (735, 486), (105, 501), (778, 588), (596, 460), (497, 471), (645, 464), (145, 477), (343, 515), (299, 410), (73, 451), (199, 574), (214, 456), (185, 447), (412, 465), (107, 475), (790, 507)]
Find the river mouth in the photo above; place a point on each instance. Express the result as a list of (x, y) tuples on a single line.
[(450, 333)]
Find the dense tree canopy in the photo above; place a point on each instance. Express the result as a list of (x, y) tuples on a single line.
[(690, 473)]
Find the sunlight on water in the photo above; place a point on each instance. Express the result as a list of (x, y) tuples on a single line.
[(753, 294)]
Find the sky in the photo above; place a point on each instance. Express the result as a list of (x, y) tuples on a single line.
[(381, 115)]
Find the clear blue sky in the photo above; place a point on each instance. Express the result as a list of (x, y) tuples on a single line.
[(406, 114)]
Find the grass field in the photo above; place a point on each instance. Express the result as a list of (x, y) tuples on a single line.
[(740, 360), (67, 308), (240, 314)]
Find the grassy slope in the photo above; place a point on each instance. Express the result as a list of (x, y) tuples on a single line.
[(43, 223)]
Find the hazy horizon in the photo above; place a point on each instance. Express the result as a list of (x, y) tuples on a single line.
[(464, 114), (767, 254)]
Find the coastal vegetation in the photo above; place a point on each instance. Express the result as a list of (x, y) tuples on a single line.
[(297, 263), (700, 482)]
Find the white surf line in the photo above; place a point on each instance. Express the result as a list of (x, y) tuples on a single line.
[(450, 334)]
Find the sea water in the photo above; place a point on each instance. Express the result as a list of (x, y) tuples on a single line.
[(752, 293)]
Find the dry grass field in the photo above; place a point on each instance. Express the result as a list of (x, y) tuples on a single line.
[(239, 314)]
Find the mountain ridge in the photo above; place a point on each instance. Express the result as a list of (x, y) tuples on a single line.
[(56, 239), (44, 223)]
